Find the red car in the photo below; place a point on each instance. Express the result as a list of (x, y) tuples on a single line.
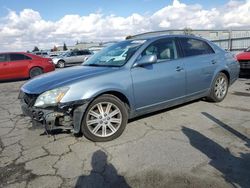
[(244, 60), (15, 65)]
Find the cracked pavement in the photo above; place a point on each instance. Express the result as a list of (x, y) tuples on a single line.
[(199, 144)]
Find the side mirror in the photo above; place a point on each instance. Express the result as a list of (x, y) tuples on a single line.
[(146, 60)]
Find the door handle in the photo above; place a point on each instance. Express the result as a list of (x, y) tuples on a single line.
[(214, 62), (178, 69)]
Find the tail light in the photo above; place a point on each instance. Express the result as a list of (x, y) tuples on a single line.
[(50, 61)]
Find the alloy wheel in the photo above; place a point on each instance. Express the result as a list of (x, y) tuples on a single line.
[(220, 89), (104, 119)]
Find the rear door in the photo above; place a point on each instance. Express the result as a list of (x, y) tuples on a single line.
[(4, 66), (200, 64)]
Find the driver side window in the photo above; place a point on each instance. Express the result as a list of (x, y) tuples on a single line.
[(164, 49)]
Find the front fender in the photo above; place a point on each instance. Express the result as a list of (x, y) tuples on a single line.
[(57, 60), (99, 90), (91, 95)]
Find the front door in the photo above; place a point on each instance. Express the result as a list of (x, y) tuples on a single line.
[(162, 82), (72, 58), (4, 67)]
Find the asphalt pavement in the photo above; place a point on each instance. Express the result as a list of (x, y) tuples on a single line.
[(199, 144)]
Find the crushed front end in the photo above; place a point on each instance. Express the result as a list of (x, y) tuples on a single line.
[(66, 115)]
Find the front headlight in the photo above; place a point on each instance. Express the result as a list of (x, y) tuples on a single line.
[(51, 97)]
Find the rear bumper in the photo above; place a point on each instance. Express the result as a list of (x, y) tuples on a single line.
[(49, 68)]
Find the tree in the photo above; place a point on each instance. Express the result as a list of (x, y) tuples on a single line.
[(36, 49), (64, 47), (187, 31), (54, 49)]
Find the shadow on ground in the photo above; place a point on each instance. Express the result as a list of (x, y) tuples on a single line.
[(13, 80), (235, 170), (103, 174)]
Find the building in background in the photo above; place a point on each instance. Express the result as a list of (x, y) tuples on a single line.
[(232, 40), (87, 45), (60, 48)]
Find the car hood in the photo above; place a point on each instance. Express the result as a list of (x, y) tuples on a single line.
[(62, 78), (243, 56)]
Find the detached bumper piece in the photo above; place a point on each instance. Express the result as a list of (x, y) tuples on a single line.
[(67, 115)]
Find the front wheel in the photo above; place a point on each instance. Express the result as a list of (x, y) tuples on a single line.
[(219, 88), (61, 64), (105, 119)]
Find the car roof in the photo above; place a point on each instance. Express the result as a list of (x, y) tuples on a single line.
[(24, 53), (13, 53), (138, 37)]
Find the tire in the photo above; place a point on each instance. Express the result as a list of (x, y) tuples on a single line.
[(35, 71), (219, 88), (61, 64), (105, 119)]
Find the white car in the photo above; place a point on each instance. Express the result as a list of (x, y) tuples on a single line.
[(71, 57)]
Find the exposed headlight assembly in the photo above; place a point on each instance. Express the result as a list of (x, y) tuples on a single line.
[(51, 97)]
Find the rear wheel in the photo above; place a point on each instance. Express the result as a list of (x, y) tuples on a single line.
[(219, 89), (105, 119), (61, 64), (35, 71)]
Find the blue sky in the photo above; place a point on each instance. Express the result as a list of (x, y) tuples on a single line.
[(56, 9), (49, 23)]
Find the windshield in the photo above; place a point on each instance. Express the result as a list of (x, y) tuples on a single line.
[(64, 54), (248, 49), (116, 55)]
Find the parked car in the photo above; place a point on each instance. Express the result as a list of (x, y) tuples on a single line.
[(15, 65), (98, 97), (71, 57), (244, 60)]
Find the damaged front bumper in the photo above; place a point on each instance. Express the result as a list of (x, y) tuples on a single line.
[(68, 115)]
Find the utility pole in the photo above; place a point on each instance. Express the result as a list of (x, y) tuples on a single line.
[(230, 40)]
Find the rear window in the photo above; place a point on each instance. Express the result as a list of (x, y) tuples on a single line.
[(3, 58), (193, 47), (18, 57)]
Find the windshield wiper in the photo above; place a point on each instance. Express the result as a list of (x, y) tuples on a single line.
[(92, 65), (100, 65)]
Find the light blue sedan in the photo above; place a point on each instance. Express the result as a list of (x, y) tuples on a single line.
[(98, 97)]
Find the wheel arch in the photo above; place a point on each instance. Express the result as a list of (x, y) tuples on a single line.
[(227, 74), (225, 71), (30, 68), (115, 93), (61, 60)]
